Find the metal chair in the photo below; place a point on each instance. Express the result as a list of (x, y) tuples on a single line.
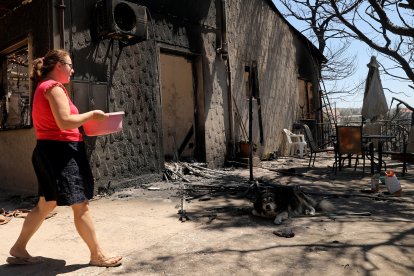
[(406, 155), (372, 129), (369, 132), (295, 142), (314, 148)]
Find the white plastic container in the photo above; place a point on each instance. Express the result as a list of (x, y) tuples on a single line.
[(109, 125), (392, 183)]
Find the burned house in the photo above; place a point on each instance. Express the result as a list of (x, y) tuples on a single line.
[(183, 71)]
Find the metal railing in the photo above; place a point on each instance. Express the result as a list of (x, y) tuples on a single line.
[(398, 128)]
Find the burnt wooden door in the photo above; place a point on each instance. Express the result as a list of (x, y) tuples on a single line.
[(178, 105)]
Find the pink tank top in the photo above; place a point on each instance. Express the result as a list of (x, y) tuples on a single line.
[(43, 120)]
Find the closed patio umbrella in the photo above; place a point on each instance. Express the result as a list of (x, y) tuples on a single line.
[(375, 103)]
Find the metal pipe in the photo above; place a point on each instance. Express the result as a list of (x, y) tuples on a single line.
[(230, 108), (223, 51), (251, 124), (62, 23)]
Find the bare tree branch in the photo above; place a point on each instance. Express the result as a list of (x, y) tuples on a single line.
[(324, 28), (386, 23), (384, 49)]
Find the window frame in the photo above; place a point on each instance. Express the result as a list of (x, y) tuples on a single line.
[(24, 103)]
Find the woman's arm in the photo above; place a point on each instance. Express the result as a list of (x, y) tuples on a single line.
[(59, 105)]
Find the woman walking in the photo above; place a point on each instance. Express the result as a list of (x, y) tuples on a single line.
[(59, 159)]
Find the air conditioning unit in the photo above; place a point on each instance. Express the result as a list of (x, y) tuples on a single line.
[(121, 20)]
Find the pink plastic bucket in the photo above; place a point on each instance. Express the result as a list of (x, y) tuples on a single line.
[(109, 125)]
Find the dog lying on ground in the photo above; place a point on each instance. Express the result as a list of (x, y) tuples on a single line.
[(282, 202)]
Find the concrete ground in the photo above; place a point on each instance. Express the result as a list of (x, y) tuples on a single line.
[(368, 233)]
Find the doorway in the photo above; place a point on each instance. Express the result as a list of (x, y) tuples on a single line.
[(305, 99), (179, 101)]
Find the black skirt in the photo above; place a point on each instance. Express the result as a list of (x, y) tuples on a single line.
[(63, 172)]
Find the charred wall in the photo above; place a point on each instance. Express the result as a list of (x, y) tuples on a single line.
[(193, 26), (38, 17), (257, 33), (132, 75), (308, 70)]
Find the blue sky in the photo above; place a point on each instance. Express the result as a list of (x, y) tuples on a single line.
[(363, 55)]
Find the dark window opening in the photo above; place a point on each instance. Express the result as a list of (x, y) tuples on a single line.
[(15, 89)]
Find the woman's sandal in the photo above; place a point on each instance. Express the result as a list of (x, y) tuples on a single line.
[(4, 219), (5, 216), (110, 262)]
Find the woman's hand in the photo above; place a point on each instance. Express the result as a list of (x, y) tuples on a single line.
[(99, 115)]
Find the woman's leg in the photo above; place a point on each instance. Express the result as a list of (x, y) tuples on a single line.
[(32, 222), (86, 230)]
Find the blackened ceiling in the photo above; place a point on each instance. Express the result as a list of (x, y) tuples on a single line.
[(191, 9), (7, 6)]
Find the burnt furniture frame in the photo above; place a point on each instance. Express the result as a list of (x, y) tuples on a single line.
[(314, 148), (349, 145), (404, 153)]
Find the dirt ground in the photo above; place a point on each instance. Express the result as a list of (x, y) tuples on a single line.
[(219, 236)]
